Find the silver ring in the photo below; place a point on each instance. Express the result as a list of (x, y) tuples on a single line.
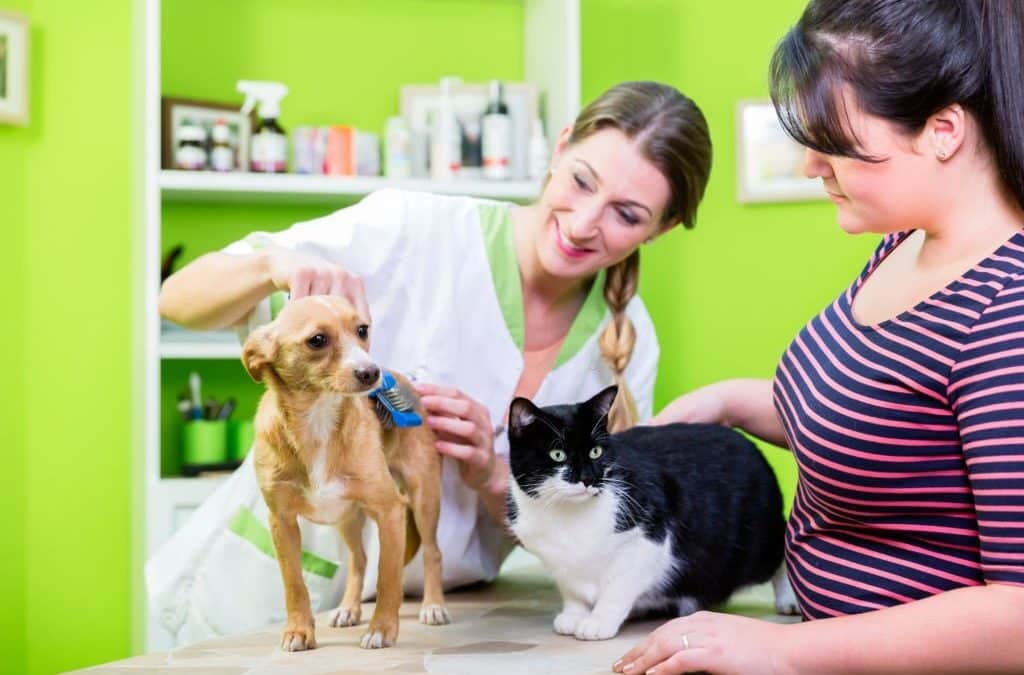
[(686, 641)]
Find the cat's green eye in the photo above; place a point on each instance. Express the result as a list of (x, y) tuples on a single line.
[(557, 455), (596, 452)]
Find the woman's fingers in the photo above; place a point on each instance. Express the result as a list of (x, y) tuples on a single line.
[(462, 429), (448, 406), (456, 450)]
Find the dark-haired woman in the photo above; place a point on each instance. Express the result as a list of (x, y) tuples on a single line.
[(494, 300), (903, 401)]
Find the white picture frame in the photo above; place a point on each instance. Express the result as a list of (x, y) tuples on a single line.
[(14, 71), (418, 101), (769, 164)]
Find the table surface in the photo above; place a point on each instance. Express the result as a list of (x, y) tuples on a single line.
[(502, 628)]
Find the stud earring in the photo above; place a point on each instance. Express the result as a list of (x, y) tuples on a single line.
[(648, 240), (941, 153)]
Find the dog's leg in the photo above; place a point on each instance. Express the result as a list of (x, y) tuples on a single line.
[(390, 519), (350, 609), (424, 489), (299, 631)]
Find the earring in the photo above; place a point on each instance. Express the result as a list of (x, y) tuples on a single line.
[(648, 240), (941, 153)]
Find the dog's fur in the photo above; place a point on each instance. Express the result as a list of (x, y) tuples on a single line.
[(322, 453)]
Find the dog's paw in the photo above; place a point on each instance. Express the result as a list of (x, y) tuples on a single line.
[(378, 637), (345, 616), (595, 629), (566, 622), (434, 615), (298, 638)]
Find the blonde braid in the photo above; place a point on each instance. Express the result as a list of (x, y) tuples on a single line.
[(619, 338)]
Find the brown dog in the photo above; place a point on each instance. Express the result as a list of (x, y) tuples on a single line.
[(322, 453)]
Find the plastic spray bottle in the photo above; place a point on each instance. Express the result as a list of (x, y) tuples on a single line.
[(269, 151)]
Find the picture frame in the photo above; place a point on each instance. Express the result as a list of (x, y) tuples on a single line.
[(769, 164), (14, 70), (175, 111), (419, 101)]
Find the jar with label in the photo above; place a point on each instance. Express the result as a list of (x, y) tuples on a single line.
[(222, 156), (190, 154)]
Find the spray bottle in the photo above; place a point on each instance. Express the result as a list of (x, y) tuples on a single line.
[(269, 142)]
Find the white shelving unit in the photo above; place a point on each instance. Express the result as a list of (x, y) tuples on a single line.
[(251, 188), (552, 61)]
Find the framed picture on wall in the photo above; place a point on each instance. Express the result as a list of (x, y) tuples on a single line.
[(769, 164), (13, 69), (178, 112)]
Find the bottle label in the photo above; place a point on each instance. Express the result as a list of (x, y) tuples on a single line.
[(222, 158), (497, 146), (269, 152), (190, 158)]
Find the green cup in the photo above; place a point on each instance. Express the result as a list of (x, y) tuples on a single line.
[(204, 442), (240, 436)]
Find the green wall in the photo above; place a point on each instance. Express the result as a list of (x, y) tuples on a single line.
[(728, 296), (67, 181), (13, 144)]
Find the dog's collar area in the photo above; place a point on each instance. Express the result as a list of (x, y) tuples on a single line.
[(394, 404)]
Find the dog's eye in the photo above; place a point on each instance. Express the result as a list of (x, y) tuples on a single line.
[(596, 452), (557, 455), (318, 341), (362, 331)]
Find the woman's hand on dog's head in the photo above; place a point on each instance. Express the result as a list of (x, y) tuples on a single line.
[(302, 274), (464, 431)]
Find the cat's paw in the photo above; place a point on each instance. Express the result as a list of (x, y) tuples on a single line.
[(595, 629), (566, 622)]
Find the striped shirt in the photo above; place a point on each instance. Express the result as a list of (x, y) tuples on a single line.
[(909, 440)]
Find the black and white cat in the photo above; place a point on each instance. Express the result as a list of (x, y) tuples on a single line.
[(667, 519)]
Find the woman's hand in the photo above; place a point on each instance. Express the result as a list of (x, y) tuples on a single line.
[(464, 431), (303, 275), (723, 644)]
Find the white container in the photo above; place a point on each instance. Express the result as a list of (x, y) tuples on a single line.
[(222, 156), (397, 148), (446, 141), (538, 158), (190, 155)]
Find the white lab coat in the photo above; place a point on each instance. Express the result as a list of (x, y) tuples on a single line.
[(443, 287)]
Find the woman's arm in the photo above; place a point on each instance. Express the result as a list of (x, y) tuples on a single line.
[(977, 630), (220, 289), (216, 290), (744, 403)]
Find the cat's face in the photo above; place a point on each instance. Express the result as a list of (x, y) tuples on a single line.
[(561, 452)]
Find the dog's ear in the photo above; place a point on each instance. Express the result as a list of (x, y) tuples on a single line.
[(258, 352)]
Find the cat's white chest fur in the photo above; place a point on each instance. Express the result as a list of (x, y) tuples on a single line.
[(601, 573)]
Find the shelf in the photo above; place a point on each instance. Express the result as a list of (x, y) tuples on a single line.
[(182, 344), (297, 188)]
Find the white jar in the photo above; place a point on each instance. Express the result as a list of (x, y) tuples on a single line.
[(190, 155)]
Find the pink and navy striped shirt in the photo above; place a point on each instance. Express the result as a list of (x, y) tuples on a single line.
[(909, 439)]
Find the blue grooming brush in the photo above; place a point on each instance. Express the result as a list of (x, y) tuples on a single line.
[(395, 404)]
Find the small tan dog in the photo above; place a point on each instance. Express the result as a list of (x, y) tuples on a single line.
[(321, 452)]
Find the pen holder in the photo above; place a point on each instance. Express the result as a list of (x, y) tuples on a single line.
[(240, 436), (204, 442)]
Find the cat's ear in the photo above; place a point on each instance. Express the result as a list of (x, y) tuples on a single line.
[(602, 402), (521, 414)]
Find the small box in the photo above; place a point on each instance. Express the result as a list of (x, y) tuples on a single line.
[(351, 152)]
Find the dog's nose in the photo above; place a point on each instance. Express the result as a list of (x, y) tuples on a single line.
[(368, 374)]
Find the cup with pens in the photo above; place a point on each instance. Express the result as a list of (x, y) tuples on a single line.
[(211, 440)]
